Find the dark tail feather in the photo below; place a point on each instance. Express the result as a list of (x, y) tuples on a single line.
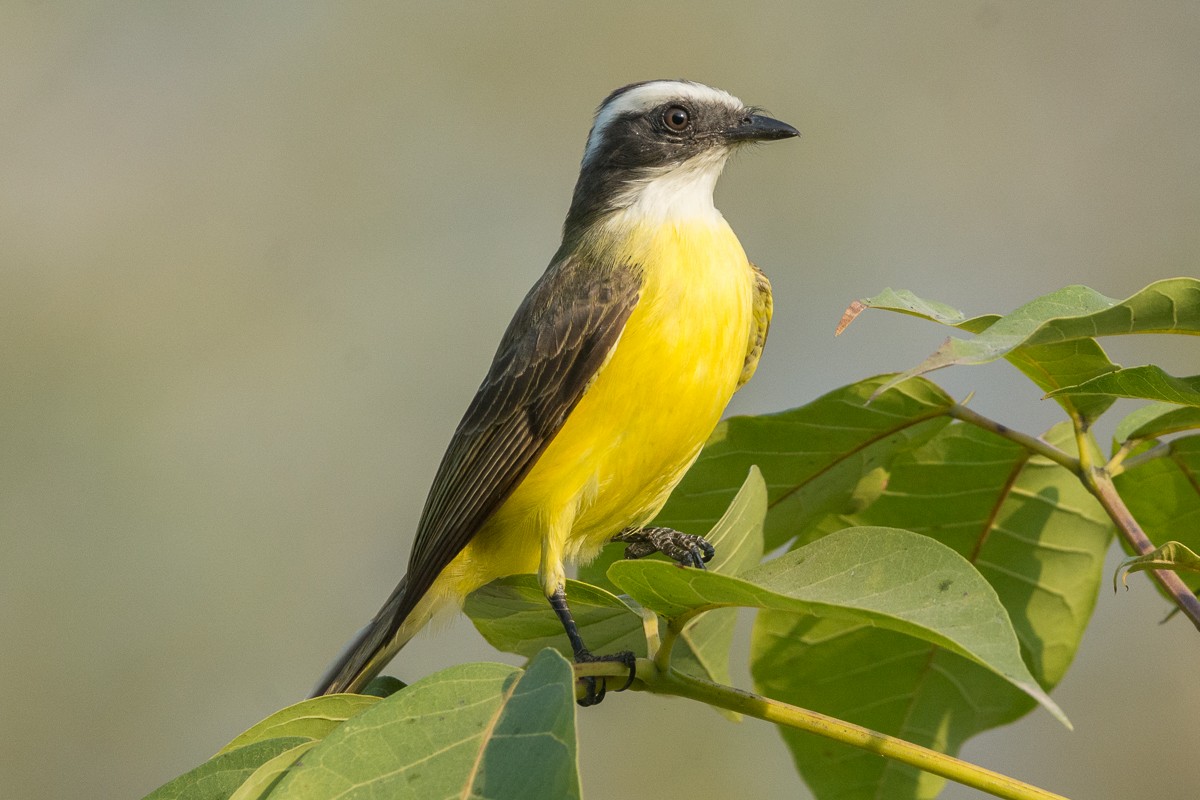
[(370, 649)]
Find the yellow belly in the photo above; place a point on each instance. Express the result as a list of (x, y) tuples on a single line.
[(643, 420)]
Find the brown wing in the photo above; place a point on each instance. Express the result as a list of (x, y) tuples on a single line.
[(562, 333)]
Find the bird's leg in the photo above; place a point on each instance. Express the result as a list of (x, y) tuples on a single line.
[(558, 601), (687, 549)]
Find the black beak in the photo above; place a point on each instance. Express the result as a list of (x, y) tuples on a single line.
[(757, 128)]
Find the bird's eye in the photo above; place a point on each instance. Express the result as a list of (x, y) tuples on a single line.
[(677, 118)]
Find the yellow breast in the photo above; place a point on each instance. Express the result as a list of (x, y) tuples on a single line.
[(646, 415), (654, 403)]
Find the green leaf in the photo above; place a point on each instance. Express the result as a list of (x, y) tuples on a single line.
[(312, 719), (1032, 531), (1156, 419), (903, 301), (871, 661), (826, 456), (514, 616), (1050, 365), (1053, 366), (473, 730), (266, 777), (737, 539), (1172, 555), (219, 777), (1146, 382), (1163, 494), (884, 577), (1076, 312), (1027, 524)]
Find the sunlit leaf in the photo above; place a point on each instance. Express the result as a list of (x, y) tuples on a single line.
[(905, 302), (738, 536), (264, 779), (220, 776), (1027, 524), (474, 730), (1053, 366), (882, 577), (312, 719), (820, 458), (1033, 532), (870, 662), (1157, 419), (1076, 312), (1146, 383)]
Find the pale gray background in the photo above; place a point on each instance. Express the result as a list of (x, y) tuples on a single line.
[(254, 260)]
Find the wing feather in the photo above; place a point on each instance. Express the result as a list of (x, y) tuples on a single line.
[(763, 306), (559, 338)]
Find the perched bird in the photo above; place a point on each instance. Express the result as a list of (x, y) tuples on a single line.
[(613, 372)]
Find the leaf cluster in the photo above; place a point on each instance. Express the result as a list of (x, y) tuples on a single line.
[(931, 575)]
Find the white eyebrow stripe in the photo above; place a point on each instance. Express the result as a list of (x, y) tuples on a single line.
[(645, 97)]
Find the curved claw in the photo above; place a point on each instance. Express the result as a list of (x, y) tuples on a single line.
[(687, 549), (592, 697)]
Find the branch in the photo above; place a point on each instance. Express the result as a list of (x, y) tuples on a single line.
[(1100, 484), (1098, 481), (1031, 443), (675, 683)]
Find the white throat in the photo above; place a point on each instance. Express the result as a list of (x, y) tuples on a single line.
[(680, 192)]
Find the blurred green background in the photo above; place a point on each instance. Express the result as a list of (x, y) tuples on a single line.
[(255, 258)]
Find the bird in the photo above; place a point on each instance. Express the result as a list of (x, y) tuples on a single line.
[(613, 372)]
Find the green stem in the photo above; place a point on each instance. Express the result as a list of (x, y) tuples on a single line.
[(662, 657), (675, 683), (1031, 443), (1117, 466), (1114, 465), (1083, 446)]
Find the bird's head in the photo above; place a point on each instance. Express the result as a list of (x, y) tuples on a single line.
[(657, 148)]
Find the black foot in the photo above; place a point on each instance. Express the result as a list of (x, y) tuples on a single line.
[(688, 549), (597, 687)]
